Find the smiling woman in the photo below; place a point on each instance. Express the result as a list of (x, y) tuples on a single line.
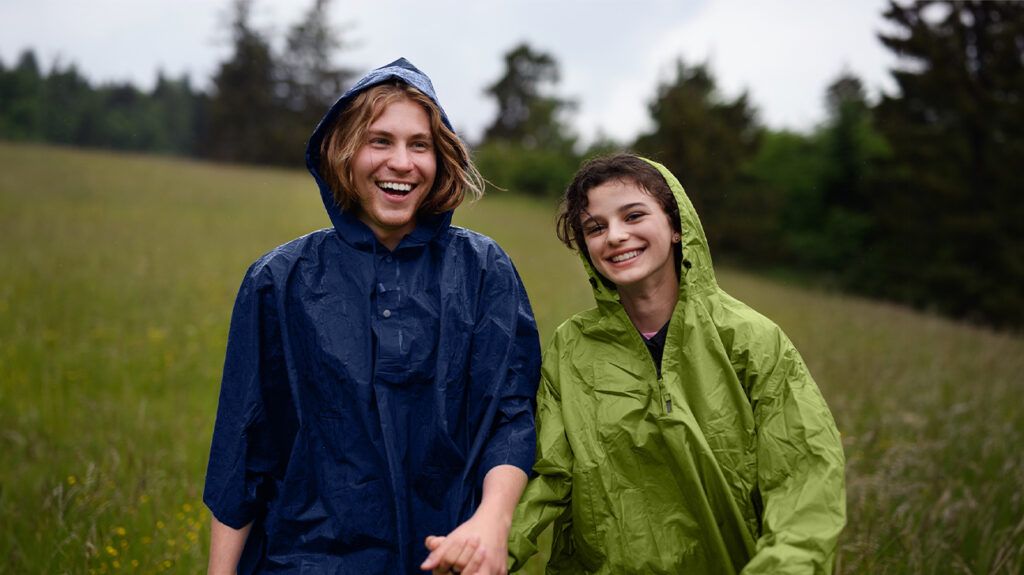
[(678, 429)]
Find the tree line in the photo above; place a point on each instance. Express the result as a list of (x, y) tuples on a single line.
[(260, 109), (913, 197)]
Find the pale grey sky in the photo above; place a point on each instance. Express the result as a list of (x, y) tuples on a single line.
[(612, 53)]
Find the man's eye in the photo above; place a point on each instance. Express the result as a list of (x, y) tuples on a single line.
[(421, 146), (378, 141)]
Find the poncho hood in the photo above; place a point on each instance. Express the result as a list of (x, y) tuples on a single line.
[(347, 224)]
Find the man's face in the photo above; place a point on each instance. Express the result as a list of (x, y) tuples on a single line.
[(394, 171)]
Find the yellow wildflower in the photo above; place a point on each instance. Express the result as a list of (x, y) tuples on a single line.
[(111, 551), (72, 480), (121, 531)]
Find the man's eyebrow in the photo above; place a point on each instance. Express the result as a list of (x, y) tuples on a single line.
[(416, 136)]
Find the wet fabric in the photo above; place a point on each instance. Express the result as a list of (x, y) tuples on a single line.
[(729, 463), (367, 392)]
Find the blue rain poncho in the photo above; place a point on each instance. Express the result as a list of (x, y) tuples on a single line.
[(367, 392)]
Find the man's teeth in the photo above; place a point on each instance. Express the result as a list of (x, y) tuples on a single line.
[(626, 256), (395, 186)]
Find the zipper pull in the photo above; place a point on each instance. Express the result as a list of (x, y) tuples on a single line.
[(668, 405)]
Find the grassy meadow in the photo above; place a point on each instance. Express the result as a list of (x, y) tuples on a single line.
[(117, 275)]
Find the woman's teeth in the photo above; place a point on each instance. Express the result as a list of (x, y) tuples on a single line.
[(626, 256)]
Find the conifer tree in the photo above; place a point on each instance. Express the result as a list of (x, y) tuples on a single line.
[(704, 138), (244, 112), (951, 211), (529, 114)]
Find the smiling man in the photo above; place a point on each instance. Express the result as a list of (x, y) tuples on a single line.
[(380, 374)]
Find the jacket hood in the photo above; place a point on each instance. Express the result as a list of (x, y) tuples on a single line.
[(697, 276), (347, 224)]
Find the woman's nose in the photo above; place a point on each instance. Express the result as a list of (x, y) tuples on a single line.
[(617, 233)]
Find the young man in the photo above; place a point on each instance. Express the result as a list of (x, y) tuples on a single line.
[(380, 373)]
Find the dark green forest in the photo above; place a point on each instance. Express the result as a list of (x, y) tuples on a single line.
[(910, 196)]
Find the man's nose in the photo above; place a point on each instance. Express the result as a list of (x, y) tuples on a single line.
[(400, 160)]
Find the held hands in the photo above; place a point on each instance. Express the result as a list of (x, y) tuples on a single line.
[(480, 546), (477, 547)]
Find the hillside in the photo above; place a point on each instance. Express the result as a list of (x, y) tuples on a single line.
[(117, 275)]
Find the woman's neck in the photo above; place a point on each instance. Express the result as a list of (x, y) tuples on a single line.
[(649, 307)]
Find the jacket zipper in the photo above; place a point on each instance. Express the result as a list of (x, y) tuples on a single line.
[(661, 383)]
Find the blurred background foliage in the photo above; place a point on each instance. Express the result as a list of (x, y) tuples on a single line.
[(911, 198)]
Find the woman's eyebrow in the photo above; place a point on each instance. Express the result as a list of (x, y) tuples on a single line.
[(631, 206)]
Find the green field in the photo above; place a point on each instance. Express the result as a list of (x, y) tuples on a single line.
[(117, 275)]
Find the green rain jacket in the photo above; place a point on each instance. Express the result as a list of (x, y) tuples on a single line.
[(730, 463)]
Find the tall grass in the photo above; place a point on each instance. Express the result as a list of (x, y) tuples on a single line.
[(117, 275)]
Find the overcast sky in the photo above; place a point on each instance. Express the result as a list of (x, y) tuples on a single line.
[(612, 53)]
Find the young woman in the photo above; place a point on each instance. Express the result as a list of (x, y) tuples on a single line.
[(380, 373), (678, 430)]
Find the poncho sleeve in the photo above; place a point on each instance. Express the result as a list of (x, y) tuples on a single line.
[(256, 420), (506, 361), (548, 493), (800, 465)]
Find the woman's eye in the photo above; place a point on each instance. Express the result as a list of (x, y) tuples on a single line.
[(591, 230), (634, 216)]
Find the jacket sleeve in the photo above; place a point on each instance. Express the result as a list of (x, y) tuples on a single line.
[(800, 465), (256, 422), (548, 493), (506, 355)]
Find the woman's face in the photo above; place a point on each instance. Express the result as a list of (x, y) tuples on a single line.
[(394, 170), (629, 236)]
